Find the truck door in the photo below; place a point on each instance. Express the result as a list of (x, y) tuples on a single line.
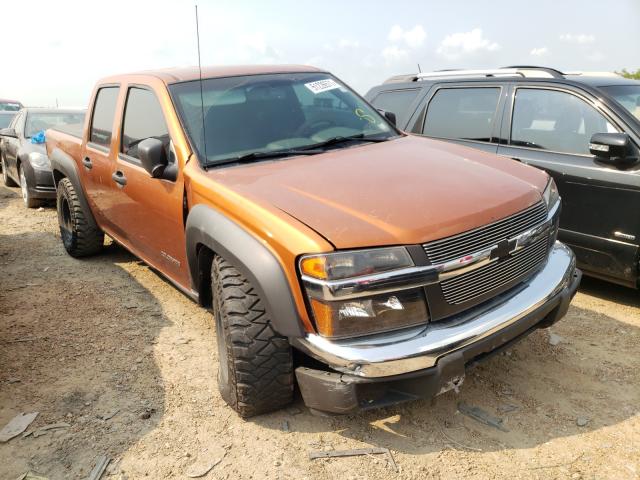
[(550, 128), (149, 210), (96, 159)]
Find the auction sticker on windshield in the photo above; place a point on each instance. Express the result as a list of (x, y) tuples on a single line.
[(320, 86)]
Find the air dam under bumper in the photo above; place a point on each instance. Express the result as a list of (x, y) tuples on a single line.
[(428, 361)]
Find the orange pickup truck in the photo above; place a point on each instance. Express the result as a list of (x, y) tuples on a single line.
[(369, 266)]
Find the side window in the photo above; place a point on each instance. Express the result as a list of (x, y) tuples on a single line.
[(143, 118), (104, 110), (463, 113), (396, 101), (557, 121)]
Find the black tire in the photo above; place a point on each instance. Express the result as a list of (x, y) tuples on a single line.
[(6, 179), (255, 364), (28, 200), (79, 238)]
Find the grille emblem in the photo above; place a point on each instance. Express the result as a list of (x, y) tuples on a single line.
[(503, 249)]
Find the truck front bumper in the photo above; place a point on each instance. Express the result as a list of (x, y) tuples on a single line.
[(370, 373)]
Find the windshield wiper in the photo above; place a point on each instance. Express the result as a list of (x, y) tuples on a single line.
[(248, 157), (342, 139)]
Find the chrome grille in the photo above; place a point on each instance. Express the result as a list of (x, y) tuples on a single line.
[(473, 241), (468, 286)]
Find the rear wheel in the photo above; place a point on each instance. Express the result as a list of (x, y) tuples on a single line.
[(6, 180), (255, 364), (79, 238), (28, 200)]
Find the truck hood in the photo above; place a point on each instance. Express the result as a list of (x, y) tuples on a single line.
[(404, 191)]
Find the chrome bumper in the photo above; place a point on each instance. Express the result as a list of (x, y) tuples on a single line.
[(409, 351)]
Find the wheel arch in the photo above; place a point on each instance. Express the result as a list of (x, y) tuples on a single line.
[(208, 233), (64, 166)]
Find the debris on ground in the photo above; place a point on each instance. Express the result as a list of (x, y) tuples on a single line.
[(554, 339), (582, 421), (203, 472), (109, 416), (43, 430), (507, 408), (31, 476), (481, 416), (17, 425), (355, 452), (101, 465)]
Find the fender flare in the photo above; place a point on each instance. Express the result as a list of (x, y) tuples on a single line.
[(208, 227), (64, 166)]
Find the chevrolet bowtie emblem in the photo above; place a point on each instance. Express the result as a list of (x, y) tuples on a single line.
[(504, 248)]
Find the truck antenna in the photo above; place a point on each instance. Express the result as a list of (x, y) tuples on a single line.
[(204, 133)]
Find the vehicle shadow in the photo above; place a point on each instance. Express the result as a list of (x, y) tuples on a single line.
[(538, 390), (76, 345), (610, 291)]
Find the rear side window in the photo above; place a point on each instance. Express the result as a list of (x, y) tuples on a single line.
[(143, 118), (556, 121), (396, 101), (463, 113), (103, 112)]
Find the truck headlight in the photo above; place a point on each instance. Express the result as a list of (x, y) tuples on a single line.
[(365, 312), (39, 160), (551, 195)]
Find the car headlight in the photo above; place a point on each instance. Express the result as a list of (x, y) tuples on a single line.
[(39, 160), (367, 312), (551, 195)]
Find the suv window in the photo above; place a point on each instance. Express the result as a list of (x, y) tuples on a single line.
[(103, 112), (396, 101), (464, 113), (557, 121), (143, 118)]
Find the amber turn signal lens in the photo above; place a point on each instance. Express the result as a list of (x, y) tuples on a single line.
[(314, 267), (323, 315)]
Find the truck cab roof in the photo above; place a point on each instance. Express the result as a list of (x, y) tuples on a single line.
[(187, 74)]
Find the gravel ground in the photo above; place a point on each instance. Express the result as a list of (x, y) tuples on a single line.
[(85, 340)]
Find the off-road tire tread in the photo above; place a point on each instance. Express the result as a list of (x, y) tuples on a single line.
[(260, 362), (85, 239)]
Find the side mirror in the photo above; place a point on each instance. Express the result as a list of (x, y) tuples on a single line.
[(389, 116), (153, 156), (8, 132), (612, 148)]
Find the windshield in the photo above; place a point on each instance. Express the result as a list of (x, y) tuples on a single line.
[(269, 113), (39, 121), (626, 95), (5, 119), (8, 106)]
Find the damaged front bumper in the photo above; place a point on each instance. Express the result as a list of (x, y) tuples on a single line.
[(424, 362)]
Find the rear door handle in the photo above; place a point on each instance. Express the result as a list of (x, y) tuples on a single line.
[(119, 178), (86, 161)]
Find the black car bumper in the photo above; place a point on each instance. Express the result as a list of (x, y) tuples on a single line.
[(40, 183), (339, 392)]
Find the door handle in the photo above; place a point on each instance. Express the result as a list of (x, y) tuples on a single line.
[(119, 178), (86, 161)]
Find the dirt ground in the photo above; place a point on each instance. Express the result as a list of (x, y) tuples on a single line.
[(85, 340)]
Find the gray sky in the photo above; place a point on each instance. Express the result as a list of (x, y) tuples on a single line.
[(58, 49)]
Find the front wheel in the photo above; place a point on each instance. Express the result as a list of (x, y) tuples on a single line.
[(79, 237), (28, 200), (255, 364)]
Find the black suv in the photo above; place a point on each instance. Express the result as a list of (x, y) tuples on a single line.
[(582, 128)]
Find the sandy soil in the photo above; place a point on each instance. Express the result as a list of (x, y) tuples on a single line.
[(83, 339)]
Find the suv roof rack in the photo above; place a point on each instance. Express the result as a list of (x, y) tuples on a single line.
[(525, 71)]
